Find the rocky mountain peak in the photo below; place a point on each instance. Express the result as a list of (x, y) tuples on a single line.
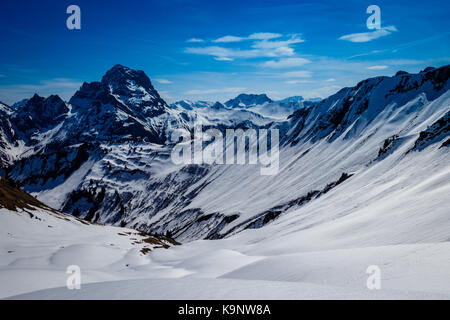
[(48, 109), (120, 77), (134, 89), (39, 113)]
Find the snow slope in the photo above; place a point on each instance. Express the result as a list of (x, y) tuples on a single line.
[(247, 267), (38, 244)]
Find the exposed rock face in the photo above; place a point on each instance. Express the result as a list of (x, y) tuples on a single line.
[(38, 116)]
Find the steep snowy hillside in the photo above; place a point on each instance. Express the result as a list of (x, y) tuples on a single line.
[(292, 258), (38, 244), (361, 132)]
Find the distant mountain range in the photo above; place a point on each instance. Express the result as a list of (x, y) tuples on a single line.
[(242, 101)]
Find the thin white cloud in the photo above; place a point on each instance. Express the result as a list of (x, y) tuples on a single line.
[(279, 52), (211, 50), (163, 81), (261, 46), (229, 39), (297, 74), (195, 40), (223, 59), (286, 63), (264, 36), (213, 91), (265, 44), (297, 81), (377, 67), (224, 53), (253, 36), (330, 80), (366, 54), (369, 36)]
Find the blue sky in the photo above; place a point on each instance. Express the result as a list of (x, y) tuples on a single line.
[(214, 50)]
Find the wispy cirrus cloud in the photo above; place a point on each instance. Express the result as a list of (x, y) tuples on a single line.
[(223, 59), (368, 36), (163, 81), (297, 81), (377, 67), (297, 74), (285, 63), (227, 54), (264, 36), (192, 40), (253, 36), (266, 44), (262, 46), (229, 39)]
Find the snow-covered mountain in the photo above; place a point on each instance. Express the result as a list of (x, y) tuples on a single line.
[(115, 166), (38, 116), (255, 105), (299, 99), (364, 179), (191, 105), (292, 99), (245, 100), (123, 106)]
